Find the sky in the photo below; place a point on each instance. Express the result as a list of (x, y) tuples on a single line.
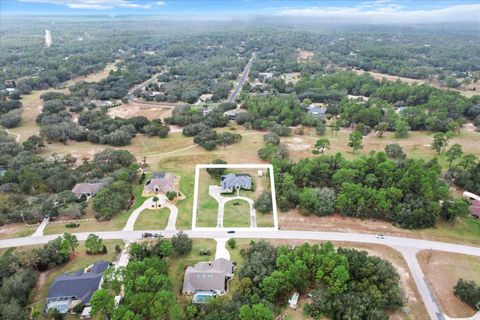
[(379, 11)]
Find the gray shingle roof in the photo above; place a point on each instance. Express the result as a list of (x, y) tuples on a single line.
[(161, 182), (316, 110), (88, 189), (208, 276), (232, 181), (81, 284)]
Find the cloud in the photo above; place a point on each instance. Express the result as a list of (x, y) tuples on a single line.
[(161, 3), (95, 4), (386, 11)]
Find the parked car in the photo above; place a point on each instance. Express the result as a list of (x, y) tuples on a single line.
[(231, 231), (158, 235), (380, 236), (147, 235)]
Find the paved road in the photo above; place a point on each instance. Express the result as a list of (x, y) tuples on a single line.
[(41, 228), (130, 95), (244, 77), (407, 246)]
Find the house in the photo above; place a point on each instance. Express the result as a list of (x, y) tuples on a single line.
[(316, 111), (475, 209), (87, 189), (68, 290), (207, 278), (232, 181), (161, 182), (10, 90), (2, 171), (293, 301), (232, 114)]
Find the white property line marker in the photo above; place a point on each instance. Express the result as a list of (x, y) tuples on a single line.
[(234, 166)]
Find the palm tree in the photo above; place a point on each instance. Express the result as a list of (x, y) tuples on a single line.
[(156, 199)]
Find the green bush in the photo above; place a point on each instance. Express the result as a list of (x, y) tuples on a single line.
[(72, 225)]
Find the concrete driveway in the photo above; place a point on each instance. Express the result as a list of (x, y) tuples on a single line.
[(214, 192), (149, 204)]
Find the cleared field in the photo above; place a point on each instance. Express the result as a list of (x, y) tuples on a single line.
[(442, 271), (152, 219), (236, 214), (207, 208), (150, 111), (16, 230), (465, 230), (417, 145), (467, 92), (77, 262)]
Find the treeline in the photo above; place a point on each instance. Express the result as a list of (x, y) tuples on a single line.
[(335, 279), (406, 192), (19, 272), (33, 187), (199, 123), (466, 173), (93, 124), (10, 104)]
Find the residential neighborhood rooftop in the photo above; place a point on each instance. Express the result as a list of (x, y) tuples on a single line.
[(208, 276), (232, 181)]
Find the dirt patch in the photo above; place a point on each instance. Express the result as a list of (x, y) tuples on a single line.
[(292, 77), (470, 127), (133, 109), (304, 55), (442, 271), (296, 144)]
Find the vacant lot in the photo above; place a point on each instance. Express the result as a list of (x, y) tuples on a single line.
[(207, 207), (442, 271), (152, 219), (236, 214), (16, 230), (304, 55), (466, 230), (379, 76), (134, 109)]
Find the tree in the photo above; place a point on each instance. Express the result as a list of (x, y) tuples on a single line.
[(102, 304), (317, 201), (171, 195), (255, 312), (381, 127), (468, 292), (217, 172), (355, 141), (264, 202), (438, 142), (181, 243), (467, 161), (401, 129), (70, 240), (231, 243), (395, 151), (155, 200), (34, 144), (94, 244), (454, 153), (322, 144)]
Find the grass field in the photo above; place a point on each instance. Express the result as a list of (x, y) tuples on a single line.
[(207, 207), (177, 263), (466, 230), (80, 261), (152, 219), (16, 230), (236, 214), (442, 271)]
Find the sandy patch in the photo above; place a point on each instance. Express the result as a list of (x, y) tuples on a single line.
[(442, 271), (304, 55), (133, 109), (296, 144)]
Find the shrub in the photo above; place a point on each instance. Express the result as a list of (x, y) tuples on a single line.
[(72, 225), (171, 195), (205, 252), (231, 243)]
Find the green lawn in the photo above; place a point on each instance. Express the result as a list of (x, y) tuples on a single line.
[(152, 219), (177, 263), (207, 210), (236, 214), (80, 261), (264, 219)]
